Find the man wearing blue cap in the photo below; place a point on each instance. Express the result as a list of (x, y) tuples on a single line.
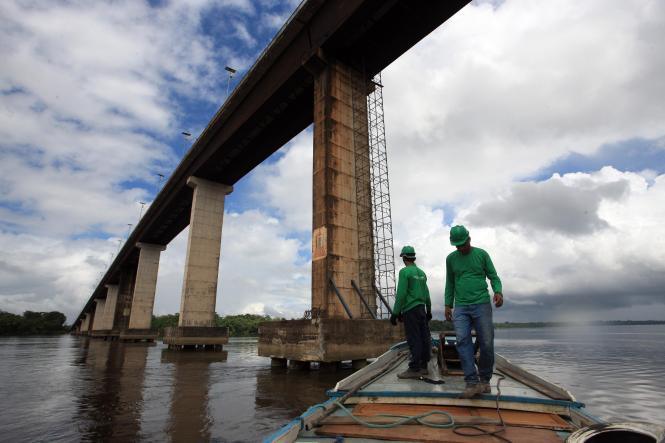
[(467, 271), (413, 305)]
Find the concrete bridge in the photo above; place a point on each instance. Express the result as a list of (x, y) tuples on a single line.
[(316, 70)]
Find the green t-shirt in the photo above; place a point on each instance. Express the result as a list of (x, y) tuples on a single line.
[(466, 276), (411, 290)]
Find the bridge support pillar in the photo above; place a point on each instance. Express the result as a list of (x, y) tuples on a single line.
[(85, 324), (98, 323), (143, 298), (107, 315), (342, 244), (196, 327)]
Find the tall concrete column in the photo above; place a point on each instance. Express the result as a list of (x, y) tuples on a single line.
[(110, 307), (85, 324), (145, 286), (340, 141), (199, 290), (98, 325), (124, 303)]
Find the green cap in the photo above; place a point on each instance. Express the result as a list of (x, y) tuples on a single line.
[(458, 235), (408, 252)]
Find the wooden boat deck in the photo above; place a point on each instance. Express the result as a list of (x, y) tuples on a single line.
[(532, 409)]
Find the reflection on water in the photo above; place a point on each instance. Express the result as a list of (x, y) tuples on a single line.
[(70, 389), (189, 415)]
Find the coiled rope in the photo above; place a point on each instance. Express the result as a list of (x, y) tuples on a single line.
[(421, 419)]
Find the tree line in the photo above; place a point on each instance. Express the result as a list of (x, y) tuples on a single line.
[(243, 325), (32, 323)]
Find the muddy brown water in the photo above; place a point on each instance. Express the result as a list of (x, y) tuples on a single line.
[(75, 389)]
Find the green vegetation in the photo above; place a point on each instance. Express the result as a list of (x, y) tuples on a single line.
[(32, 323), (243, 325)]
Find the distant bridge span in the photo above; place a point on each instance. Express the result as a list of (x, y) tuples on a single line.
[(274, 102)]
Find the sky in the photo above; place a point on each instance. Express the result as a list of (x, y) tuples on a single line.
[(538, 125)]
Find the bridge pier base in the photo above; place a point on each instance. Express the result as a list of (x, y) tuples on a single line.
[(327, 340), (136, 335), (196, 337)]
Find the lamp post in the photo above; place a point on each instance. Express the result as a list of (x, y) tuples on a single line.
[(141, 212), (231, 71)]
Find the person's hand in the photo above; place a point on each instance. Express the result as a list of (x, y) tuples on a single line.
[(429, 315), (393, 320), (498, 299), (449, 313)]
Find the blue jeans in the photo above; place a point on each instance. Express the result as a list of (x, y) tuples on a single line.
[(478, 317)]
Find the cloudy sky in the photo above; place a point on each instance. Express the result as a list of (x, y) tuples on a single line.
[(540, 125)]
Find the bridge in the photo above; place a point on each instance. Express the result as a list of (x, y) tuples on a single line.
[(316, 70)]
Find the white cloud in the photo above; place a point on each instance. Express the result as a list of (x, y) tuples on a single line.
[(260, 269), (497, 93), (286, 184), (91, 91)]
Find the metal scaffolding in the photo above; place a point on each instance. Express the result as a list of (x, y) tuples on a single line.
[(384, 253), (364, 205)]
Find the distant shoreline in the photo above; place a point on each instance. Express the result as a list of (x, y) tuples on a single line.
[(438, 325), (507, 325)]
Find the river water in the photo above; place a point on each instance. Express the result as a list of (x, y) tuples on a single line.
[(74, 389)]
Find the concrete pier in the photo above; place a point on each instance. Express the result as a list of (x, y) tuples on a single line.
[(327, 340), (124, 302), (107, 316), (143, 298), (196, 326), (340, 141), (342, 245), (85, 324), (98, 323)]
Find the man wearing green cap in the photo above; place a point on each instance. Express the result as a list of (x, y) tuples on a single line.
[(413, 305), (467, 271)]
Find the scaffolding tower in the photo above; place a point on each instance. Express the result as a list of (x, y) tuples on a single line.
[(384, 253), (363, 169)]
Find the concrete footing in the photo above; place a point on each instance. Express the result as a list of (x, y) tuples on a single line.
[(101, 333), (196, 337), (299, 365), (136, 335), (327, 340), (278, 362)]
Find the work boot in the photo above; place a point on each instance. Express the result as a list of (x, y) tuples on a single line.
[(487, 389), (424, 371), (472, 391), (409, 373)]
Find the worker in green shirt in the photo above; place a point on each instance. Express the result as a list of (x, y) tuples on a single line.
[(413, 305), (467, 271)]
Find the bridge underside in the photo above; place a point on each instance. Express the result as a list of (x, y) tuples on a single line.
[(311, 72)]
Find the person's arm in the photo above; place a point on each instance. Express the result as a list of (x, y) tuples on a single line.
[(495, 281), (400, 294), (449, 297), (428, 301), (491, 274)]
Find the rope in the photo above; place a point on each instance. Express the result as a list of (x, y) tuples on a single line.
[(402, 419), (420, 419), (480, 432)]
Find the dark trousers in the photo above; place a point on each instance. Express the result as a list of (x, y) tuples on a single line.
[(417, 336)]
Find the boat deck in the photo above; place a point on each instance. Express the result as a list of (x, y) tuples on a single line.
[(530, 408), (453, 384)]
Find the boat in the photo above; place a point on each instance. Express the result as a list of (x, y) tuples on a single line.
[(372, 405)]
